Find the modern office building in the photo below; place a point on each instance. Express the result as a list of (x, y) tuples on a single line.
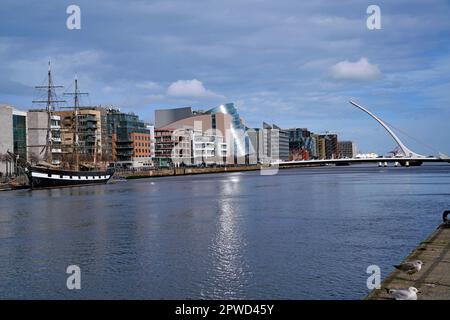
[(17, 120), (209, 134), (221, 126), (237, 122), (283, 142), (347, 149), (256, 140), (94, 144), (275, 143), (130, 139), (20, 133), (151, 128), (239, 145), (331, 146), (38, 135), (320, 147), (141, 149), (302, 144), (330, 142), (173, 147), (6, 140), (208, 148), (164, 117), (13, 138)]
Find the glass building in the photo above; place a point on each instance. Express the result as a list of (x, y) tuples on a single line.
[(20, 133), (122, 129), (230, 109), (241, 142), (302, 139)]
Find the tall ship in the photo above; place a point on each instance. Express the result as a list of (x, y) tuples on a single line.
[(69, 170)]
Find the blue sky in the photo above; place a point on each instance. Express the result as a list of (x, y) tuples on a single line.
[(293, 63)]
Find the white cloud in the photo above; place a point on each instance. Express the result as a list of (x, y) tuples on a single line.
[(148, 85), (190, 88), (360, 70)]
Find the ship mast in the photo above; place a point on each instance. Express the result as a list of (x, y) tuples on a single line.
[(76, 106), (49, 108)]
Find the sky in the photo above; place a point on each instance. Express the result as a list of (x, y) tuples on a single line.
[(292, 63)]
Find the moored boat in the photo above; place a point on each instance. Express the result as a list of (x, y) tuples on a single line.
[(50, 173), (40, 177)]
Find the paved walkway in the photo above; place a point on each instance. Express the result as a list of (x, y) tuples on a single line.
[(433, 281)]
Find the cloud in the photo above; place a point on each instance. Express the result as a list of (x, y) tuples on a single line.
[(277, 58), (11, 87), (361, 70), (149, 85), (190, 88)]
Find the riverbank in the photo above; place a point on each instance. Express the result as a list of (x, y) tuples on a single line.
[(433, 281), (182, 171), (152, 173), (10, 187), (193, 171)]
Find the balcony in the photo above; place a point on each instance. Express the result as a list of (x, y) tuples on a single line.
[(85, 126), (87, 117), (125, 154)]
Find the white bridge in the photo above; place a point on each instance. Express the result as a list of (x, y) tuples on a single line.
[(407, 157)]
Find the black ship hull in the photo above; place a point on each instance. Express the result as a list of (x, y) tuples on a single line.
[(54, 178)]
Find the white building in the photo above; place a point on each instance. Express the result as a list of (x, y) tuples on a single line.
[(151, 128), (208, 148), (370, 155), (37, 122), (13, 137), (271, 143)]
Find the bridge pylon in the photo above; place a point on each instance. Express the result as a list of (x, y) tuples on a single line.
[(404, 149)]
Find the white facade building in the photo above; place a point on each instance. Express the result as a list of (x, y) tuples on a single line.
[(208, 148), (37, 123)]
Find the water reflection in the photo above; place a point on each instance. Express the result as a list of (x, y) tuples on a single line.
[(230, 271)]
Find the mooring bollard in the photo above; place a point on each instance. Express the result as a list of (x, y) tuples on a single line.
[(444, 215), (446, 221)]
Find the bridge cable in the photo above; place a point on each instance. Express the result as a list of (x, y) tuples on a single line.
[(413, 138)]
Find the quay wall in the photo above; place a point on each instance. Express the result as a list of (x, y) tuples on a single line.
[(181, 171), (433, 280)]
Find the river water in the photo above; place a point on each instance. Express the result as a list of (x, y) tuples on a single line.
[(305, 233)]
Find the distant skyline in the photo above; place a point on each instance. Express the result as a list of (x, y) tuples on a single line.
[(292, 63)]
